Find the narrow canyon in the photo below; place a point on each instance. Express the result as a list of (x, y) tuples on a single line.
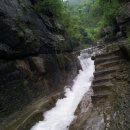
[(64, 65)]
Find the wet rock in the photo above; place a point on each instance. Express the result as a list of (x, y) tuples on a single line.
[(125, 49), (119, 35), (108, 30), (122, 19)]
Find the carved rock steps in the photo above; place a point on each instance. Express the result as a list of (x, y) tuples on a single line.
[(102, 86), (102, 79), (105, 72), (106, 60), (101, 96), (106, 66), (102, 60), (104, 55)]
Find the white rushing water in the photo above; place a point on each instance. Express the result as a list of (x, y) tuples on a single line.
[(61, 116)]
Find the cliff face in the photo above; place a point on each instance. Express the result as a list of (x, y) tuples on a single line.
[(121, 26), (29, 65)]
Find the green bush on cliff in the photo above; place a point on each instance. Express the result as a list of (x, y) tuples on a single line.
[(68, 16), (83, 22), (99, 14), (110, 10), (53, 6)]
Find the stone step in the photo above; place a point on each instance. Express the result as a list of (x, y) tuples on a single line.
[(105, 72), (103, 92), (99, 96), (105, 55), (107, 64), (102, 80), (102, 86), (103, 60)]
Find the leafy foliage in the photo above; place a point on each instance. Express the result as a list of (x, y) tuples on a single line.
[(69, 18), (82, 22), (54, 6), (101, 13), (91, 17)]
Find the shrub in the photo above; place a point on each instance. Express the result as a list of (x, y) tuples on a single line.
[(53, 6)]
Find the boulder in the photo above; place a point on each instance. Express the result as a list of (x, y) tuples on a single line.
[(108, 30), (122, 19)]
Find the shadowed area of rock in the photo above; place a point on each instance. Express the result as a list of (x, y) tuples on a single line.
[(34, 60)]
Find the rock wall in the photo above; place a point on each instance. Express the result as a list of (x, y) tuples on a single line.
[(121, 25), (29, 65)]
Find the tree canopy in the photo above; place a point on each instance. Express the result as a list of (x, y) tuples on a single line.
[(84, 21)]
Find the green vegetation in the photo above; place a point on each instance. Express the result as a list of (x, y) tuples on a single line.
[(45, 6), (83, 22), (96, 14)]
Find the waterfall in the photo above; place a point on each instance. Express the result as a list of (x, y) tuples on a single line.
[(61, 116)]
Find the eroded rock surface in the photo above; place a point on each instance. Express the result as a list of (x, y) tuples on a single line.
[(29, 65)]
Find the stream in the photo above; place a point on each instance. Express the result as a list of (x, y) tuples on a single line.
[(61, 116)]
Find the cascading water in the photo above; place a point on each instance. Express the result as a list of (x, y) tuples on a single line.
[(61, 116)]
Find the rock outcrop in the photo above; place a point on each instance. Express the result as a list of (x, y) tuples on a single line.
[(32, 63), (121, 26)]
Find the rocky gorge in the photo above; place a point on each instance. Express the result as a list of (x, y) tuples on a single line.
[(36, 63)]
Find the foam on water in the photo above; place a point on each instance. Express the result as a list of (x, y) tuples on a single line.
[(61, 116)]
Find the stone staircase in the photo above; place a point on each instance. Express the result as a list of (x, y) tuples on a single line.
[(109, 102), (106, 65)]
